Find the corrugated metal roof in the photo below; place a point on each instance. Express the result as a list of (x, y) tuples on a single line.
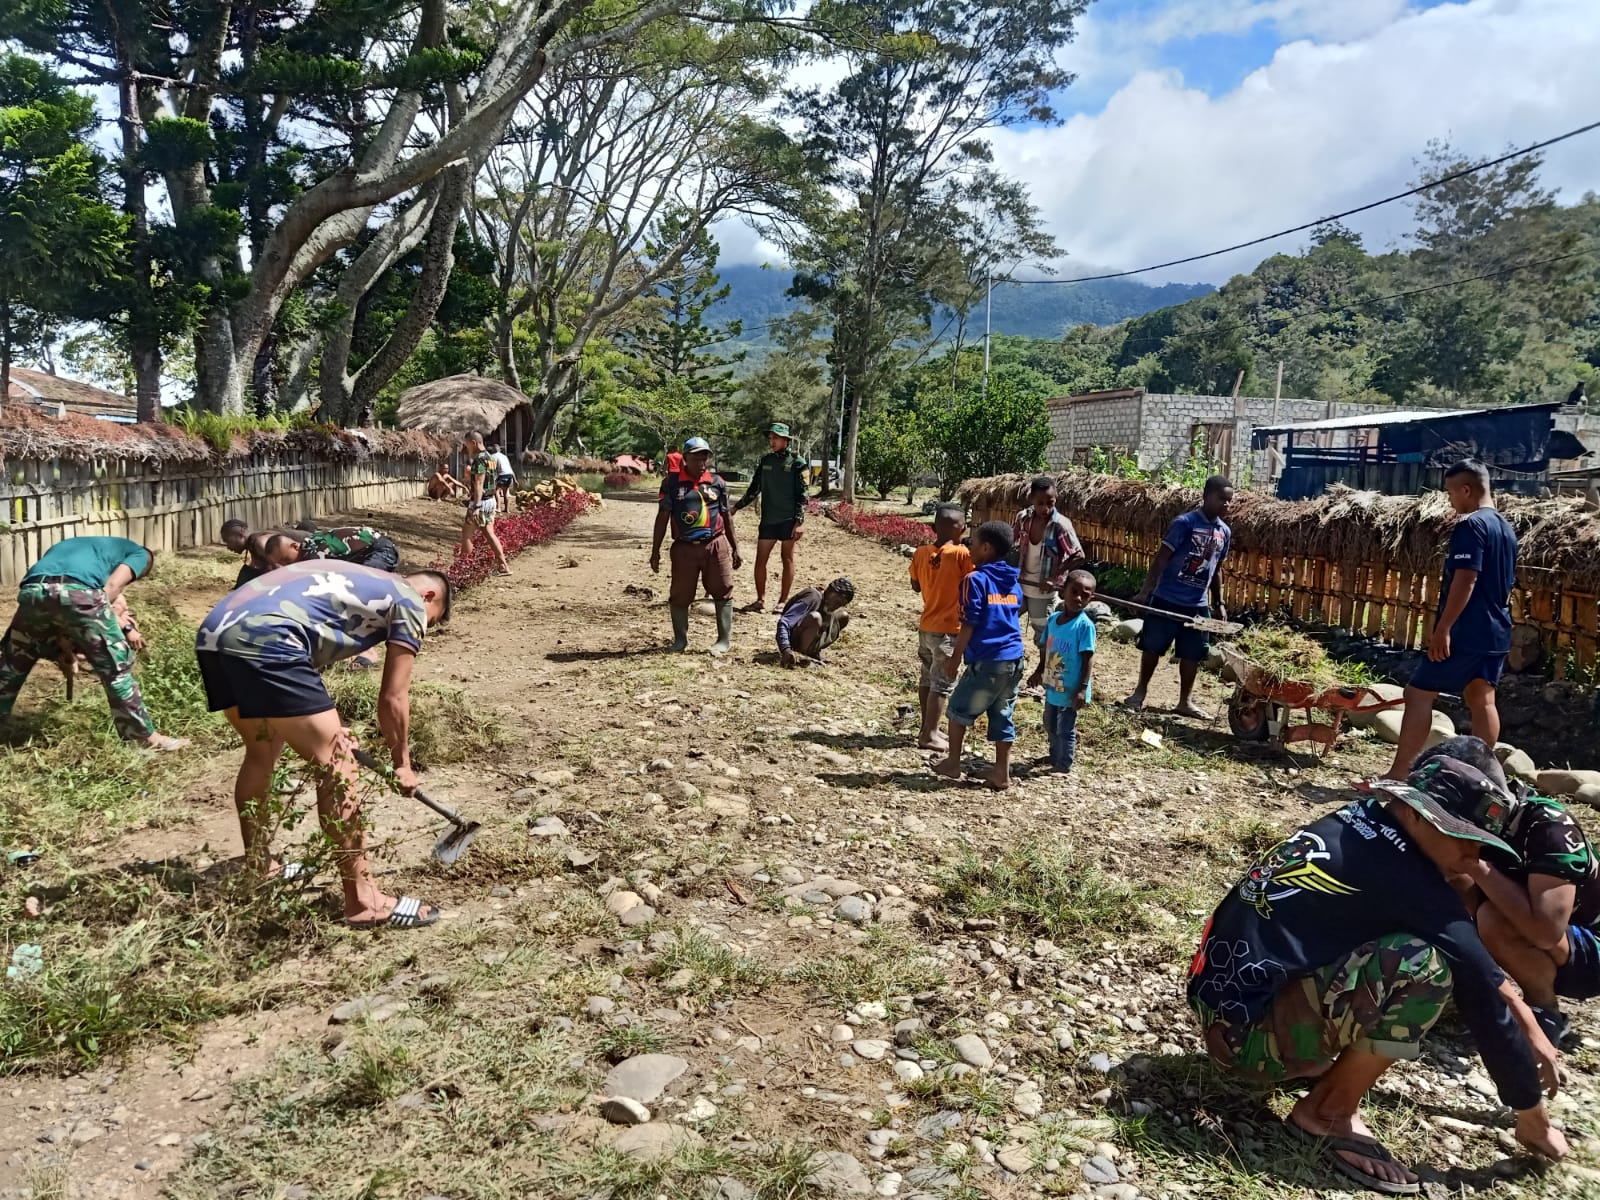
[(1399, 416)]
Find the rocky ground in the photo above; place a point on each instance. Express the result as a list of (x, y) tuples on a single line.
[(725, 936)]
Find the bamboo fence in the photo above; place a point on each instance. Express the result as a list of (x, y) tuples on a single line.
[(1387, 590), (166, 506)]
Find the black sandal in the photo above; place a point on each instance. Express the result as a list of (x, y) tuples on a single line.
[(1366, 1147)]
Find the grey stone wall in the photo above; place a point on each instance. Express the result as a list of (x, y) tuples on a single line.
[(1078, 426)]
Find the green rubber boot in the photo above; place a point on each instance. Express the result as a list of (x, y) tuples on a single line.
[(724, 641), (680, 629)]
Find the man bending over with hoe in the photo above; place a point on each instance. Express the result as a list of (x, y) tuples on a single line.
[(260, 651), (1338, 951), (70, 604)]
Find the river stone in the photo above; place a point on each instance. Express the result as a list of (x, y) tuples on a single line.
[(1566, 783), (655, 1142), (623, 1110), (1517, 764), (853, 909), (1126, 631), (972, 1051), (644, 1076), (1588, 794), (836, 1173), (1380, 691)]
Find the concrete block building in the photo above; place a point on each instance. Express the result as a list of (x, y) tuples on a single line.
[(1160, 430)]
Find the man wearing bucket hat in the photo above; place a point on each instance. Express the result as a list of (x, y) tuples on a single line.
[(1338, 951), (694, 501), (780, 485), (1538, 911)]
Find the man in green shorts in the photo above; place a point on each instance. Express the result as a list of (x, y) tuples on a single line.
[(66, 607), (780, 485)]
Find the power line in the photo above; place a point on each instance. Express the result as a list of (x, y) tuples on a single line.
[(1339, 216)]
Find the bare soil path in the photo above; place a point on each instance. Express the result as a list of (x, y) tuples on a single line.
[(943, 992)]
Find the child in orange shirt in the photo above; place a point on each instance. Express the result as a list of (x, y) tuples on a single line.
[(936, 575)]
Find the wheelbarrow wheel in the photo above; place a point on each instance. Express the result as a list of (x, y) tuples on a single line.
[(1247, 717)]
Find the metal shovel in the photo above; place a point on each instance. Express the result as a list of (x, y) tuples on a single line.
[(455, 842), (1203, 624)]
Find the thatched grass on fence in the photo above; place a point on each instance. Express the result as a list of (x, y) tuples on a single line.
[(27, 435), (1557, 536), (1350, 560)]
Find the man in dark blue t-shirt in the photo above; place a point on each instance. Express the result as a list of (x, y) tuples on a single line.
[(1472, 633), (1186, 573)]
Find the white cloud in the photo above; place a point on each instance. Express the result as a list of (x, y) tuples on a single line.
[(1165, 170)]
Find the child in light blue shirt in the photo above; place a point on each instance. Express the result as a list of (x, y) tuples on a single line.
[(1065, 669)]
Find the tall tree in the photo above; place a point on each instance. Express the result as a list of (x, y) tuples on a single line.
[(924, 80), (676, 339), (61, 243)]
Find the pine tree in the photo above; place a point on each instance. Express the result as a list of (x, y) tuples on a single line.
[(681, 343)]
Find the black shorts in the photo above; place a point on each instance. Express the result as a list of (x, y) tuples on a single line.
[(778, 531), (504, 481), (262, 689), (1456, 673), (1160, 634), (382, 555)]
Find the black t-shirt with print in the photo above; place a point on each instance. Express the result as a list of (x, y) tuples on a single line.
[(1332, 887), (1552, 843)]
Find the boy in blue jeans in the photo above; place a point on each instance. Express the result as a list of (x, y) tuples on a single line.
[(1065, 667), (990, 643)]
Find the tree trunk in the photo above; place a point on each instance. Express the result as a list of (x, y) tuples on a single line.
[(852, 432), (5, 351), (829, 425), (143, 330)]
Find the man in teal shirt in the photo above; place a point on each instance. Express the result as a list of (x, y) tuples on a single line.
[(780, 485), (66, 607)]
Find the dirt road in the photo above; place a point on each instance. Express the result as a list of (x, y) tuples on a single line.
[(827, 933)]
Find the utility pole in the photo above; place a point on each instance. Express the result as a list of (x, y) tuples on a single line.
[(988, 326)]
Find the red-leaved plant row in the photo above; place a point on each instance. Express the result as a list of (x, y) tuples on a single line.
[(531, 527), (888, 528)]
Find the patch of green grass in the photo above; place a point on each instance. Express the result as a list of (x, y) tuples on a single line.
[(1044, 891), (718, 972), (625, 1041), (68, 777), (887, 965), (447, 724)]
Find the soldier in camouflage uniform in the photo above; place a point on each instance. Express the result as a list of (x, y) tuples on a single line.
[(67, 606), (1335, 954)]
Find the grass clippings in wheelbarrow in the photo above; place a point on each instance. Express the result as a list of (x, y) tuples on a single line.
[(1285, 656)]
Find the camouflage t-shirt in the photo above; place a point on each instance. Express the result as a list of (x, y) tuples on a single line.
[(350, 543), (325, 610), (1551, 842)]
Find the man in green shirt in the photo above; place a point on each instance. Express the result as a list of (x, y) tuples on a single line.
[(780, 485), (67, 606)]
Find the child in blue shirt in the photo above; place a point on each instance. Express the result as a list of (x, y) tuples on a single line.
[(990, 643), (1065, 668)]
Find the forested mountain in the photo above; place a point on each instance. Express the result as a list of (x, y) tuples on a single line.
[(759, 294)]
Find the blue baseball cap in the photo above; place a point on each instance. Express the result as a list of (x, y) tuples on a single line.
[(696, 443)]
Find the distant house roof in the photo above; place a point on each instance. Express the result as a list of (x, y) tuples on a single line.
[(1087, 397), (55, 395), (1398, 416), (458, 404)]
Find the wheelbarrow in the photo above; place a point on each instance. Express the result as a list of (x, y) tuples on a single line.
[(1263, 711)]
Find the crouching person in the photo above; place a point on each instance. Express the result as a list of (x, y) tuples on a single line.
[(71, 604), (1337, 952), (812, 622)]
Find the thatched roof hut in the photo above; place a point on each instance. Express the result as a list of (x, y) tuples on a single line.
[(1559, 537), (461, 404)]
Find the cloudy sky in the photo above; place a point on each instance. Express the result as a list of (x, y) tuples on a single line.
[(1194, 124)]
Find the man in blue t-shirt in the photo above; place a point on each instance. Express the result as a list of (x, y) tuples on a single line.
[(261, 651), (1187, 570), (1472, 633)]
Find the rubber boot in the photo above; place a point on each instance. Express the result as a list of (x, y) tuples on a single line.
[(680, 629), (724, 641)]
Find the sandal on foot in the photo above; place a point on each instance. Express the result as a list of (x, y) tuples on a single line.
[(295, 871), (160, 743), (1366, 1147), (406, 914)]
